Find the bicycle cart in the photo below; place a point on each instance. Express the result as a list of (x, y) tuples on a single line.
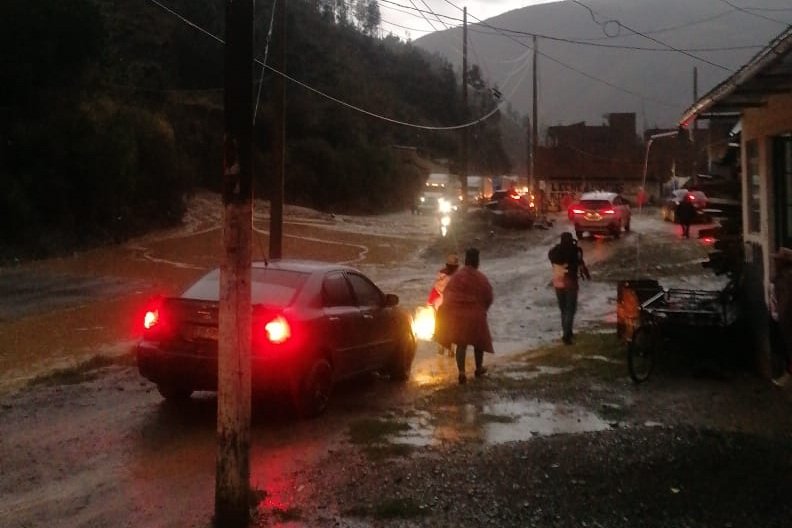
[(676, 314)]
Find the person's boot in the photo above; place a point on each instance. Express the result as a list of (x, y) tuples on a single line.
[(462, 378), (480, 371)]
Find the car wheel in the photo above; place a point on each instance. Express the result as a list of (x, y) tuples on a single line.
[(616, 231), (627, 226), (314, 390), (579, 234), (401, 361), (174, 393)]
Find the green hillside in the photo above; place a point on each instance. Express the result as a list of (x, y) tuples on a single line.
[(111, 112)]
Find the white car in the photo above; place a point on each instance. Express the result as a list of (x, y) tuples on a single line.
[(601, 212)]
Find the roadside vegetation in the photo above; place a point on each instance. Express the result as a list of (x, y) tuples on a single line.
[(113, 115)]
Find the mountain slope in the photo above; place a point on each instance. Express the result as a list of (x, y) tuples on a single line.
[(656, 85)]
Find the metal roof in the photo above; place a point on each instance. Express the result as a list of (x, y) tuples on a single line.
[(768, 72)]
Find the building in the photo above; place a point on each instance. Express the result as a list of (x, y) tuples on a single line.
[(760, 95), (582, 157)]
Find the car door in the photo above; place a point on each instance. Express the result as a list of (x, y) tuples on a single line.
[(378, 321), (345, 329)]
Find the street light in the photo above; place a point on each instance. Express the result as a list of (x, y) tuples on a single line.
[(646, 157)]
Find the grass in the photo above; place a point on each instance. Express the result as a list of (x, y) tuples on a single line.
[(81, 372)]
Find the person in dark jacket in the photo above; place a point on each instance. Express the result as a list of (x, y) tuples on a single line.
[(567, 260), (684, 214)]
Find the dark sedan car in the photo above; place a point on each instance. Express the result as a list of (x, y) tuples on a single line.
[(313, 324)]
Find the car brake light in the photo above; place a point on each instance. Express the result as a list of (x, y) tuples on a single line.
[(278, 330), (578, 211), (608, 211), (151, 319)]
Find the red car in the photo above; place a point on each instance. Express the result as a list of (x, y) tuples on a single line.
[(313, 325)]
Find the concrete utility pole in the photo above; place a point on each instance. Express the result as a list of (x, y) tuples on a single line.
[(465, 132), (535, 120), (279, 135), (694, 161), (232, 480)]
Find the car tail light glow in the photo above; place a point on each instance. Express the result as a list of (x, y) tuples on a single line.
[(278, 330), (608, 211), (578, 211), (151, 319)]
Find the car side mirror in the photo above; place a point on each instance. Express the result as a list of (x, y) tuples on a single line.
[(391, 299)]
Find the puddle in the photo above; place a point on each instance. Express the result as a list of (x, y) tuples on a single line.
[(537, 418), (521, 375), (497, 423)]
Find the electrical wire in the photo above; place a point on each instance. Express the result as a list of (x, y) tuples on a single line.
[(331, 98), (578, 71), (497, 30), (604, 26), (266, 53), (424, 16), (757, 15)]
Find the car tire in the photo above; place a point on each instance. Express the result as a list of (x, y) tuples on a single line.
[(616, 231), (578, 234), (314, 389), (173, 392), (627, 226), (401, 361)]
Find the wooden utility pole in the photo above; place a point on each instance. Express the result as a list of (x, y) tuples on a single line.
[(279, 135), (465, 114), (535, 120), (232, 480)]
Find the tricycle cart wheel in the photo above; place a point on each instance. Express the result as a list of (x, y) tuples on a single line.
[(641, 353)]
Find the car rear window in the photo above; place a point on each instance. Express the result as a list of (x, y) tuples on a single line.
[(273, 287), (595, 204)]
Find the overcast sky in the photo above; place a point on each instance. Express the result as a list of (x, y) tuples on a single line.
[(417, 19)]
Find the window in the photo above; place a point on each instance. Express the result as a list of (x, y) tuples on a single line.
[(367, 294), (335, 291), (752, 185), (782, 168)]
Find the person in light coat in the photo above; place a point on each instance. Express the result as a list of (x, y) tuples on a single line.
[(435, 298), (462, 318)]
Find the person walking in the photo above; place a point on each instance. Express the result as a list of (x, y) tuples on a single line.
[(567, 260), (684, 214), (462, 317), (436, 293)]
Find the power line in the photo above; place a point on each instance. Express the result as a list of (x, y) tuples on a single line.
[(327, 96), (604, 26), (614, 46), (576, 70), (424, 16), (497, 30), (749, 12)]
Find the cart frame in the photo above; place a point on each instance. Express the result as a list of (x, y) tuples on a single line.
[(671, 312)]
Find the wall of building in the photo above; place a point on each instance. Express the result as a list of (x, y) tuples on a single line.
[(762, 124)]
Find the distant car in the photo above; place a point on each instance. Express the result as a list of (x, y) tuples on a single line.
[(313, 325), (430, 202), (510, 208), (601, 212), (668, 208)]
